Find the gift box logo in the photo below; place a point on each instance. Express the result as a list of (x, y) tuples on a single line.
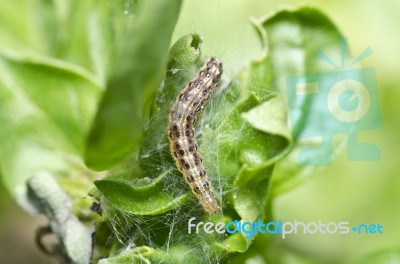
[(342, 101)]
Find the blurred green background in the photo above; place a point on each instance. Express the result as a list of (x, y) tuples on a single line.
[(357, 192)]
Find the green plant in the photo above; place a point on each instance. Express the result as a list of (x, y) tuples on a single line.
[(89, 89)]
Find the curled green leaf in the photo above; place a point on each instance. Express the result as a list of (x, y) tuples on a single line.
[(293, 39), (142, 196)]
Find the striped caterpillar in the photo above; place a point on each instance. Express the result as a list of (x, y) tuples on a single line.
[(183, 146)]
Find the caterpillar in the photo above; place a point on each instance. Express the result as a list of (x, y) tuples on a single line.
[(183, 145)]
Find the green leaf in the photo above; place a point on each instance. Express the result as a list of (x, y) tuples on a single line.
[(143, 196), (270, 118), (136, 73), (289, 38), (45, 111), (71, 92), (177, 254), (293, 39), (185, 51)]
